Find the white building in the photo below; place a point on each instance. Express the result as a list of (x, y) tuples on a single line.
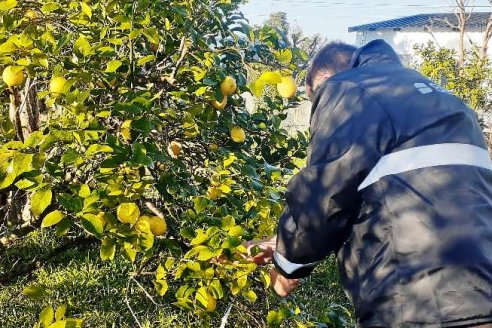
[(403, 33)]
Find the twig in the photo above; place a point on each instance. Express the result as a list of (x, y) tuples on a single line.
[(183, 49), (128, 304), (143, 289), (154, 209)]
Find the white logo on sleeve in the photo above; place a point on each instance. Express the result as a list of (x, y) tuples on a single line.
[(423, 88), (429, 88)]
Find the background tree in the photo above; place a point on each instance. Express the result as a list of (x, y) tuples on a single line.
[(294, 36), (472, 82)]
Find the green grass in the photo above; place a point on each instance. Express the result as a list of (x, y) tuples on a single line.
[(102, 294)]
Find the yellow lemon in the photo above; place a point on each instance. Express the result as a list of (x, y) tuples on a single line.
[(287, 88), (126, 131), (158, 225), (57, 84), (174, 149), (228, 86), (13, 75), (31, 14), (238, 134), (220, 105), (128, 213)]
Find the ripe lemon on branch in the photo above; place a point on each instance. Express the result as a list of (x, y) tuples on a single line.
[(157, 225), (237, 134), (174, 149), (228, 86), (287, 88), (57, 84), (13, 75)]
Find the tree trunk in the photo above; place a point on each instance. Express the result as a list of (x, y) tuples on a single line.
[(24, 111), (486, 38), (462, 18)]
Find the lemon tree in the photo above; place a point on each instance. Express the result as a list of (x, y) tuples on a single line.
[(122, 122)]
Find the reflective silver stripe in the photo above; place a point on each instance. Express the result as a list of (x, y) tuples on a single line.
[(288, 266), (428, 156)]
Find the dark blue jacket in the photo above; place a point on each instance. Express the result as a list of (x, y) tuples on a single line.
[(399, 186)]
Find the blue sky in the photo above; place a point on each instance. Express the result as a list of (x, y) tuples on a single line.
[(332, 17)]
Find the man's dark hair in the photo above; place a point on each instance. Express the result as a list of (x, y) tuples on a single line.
[(333, 57)]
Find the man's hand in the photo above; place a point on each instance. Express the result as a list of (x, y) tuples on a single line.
[(267, 247), (282, 286)]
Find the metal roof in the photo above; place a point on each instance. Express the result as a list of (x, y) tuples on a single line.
[(439, 20)]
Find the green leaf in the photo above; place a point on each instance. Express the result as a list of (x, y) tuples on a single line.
[(225, 189), (95, 149), (228, 222), (250, 295), (108, 249), (7, 5), (200, 204), (22, 163), (284, 56), (63, 226), (216, 289), (160, 273), (204, 253), (142, 61), (152, 35), (271, 77), (60, 312), (24, 184), (9, 178), (49, 7), (71, 203), (58, 324), (46, 316), (129, 251), (146, 240), (236, 231), (82, 46), (161, 286), (35, 139), (113, 65), (201, 237), (250, 171), (86, 9), (140, 155), (52, 218), (257, 88), (273, 319), (94, 224), (73, 323), (40, 200), (84, 191), (128, 213), (34, 292), (229, 160), (202, 297)]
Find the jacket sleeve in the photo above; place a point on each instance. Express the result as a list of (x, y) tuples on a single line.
[(350, 131)]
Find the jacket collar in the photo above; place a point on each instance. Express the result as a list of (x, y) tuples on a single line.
[(375, 52)]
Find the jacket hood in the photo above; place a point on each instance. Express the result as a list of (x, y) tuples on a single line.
[(375, 52)]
